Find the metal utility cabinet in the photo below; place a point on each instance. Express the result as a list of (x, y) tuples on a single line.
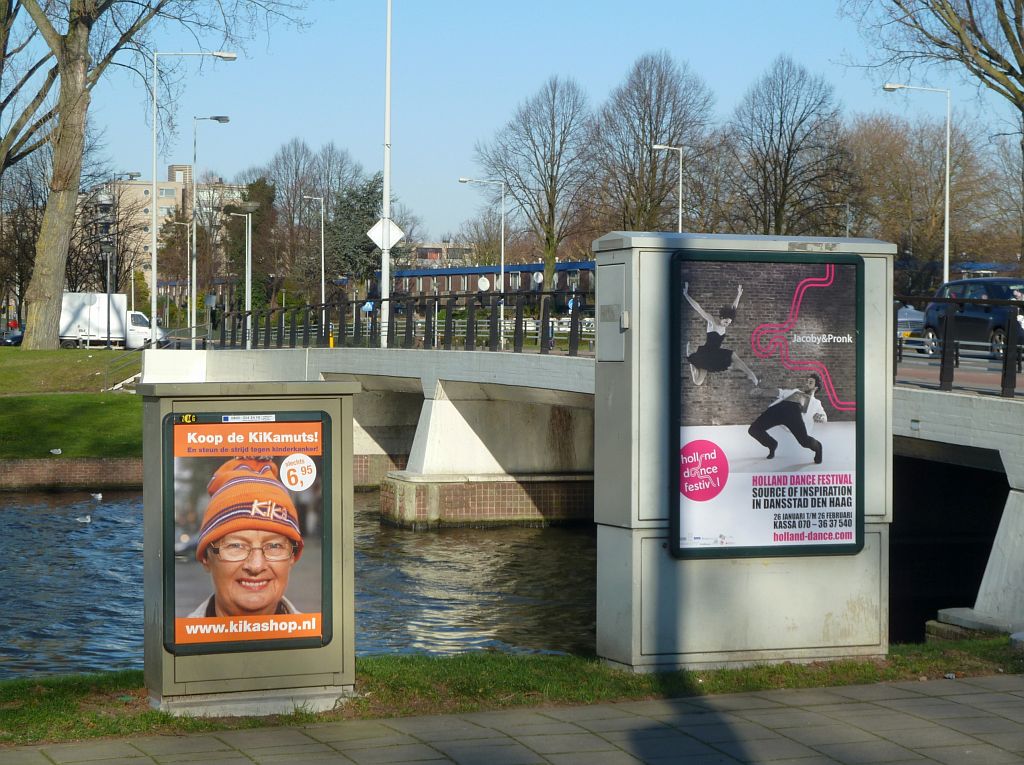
[(691, 578), (300, 436)]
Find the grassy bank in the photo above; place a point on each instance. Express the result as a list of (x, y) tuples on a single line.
[(114, 704), (64, 371), (51, 400), (79, 424)]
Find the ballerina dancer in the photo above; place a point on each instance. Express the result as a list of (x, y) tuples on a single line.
[(711, 356)]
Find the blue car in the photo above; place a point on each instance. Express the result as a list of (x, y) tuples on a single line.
[(977, 322), (12, 338)]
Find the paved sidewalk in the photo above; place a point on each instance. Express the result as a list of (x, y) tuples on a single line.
[(959, 722)]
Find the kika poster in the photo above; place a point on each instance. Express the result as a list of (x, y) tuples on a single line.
[(246, 516), (766, 386)]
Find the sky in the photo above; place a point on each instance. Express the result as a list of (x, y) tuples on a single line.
[(460, 68)]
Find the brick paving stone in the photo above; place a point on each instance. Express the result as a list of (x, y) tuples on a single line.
[(647, 747), (394, 739), (329, 757), (227, 757), (817, 760), (992, 700), (441, 728), (261, 738), (928, 734), (868, 752), (488, 753), (930, 709), (698, 759), (733, 702), (765, 749), (596, 758), (1009, 683), (979, 754), (804, 697), (507, 719), (564, 743), (348, 730), (786, 718), (984, 724), (549, 728), (836, 733), (24, 757), (1011, 742), (882, 721), (930, 687), (93, 750), (393, 754), (633, 722), (874, 692), (736, 731), (574, 714), (167, 745), (654, 707)]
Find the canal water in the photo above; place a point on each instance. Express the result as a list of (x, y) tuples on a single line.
[(71, 586)]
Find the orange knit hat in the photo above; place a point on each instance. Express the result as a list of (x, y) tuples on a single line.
[(247, 494)]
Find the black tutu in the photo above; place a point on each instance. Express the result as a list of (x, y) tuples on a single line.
[(712, 357)]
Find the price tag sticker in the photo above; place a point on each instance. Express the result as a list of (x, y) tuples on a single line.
[(298, 472)]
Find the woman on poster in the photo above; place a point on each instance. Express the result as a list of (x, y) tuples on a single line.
[(711, 356), (249, 541)]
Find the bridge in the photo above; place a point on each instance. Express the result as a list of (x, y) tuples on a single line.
[(472, 436)]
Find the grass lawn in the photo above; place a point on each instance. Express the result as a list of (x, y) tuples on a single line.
[(64, 371), (114, 704), (79, 424)]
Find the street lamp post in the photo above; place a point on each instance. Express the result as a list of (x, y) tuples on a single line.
[(678, 149), (889, 87), (224, 56), (501, 267), (323, 279), (193, 288), (111, 250), (248, 208), (385, 250), (188, 259)]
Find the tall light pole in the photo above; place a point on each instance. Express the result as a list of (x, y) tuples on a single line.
[(112, 251), (385, 250), (678, 149), (889, 87), (193, 288), (501, 272), (224, 56), (248, 209), (323, 279), (188, 258)]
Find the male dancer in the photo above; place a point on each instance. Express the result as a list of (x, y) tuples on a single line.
[(789, 410)]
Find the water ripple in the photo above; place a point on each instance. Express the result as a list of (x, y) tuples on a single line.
[(73, 602)]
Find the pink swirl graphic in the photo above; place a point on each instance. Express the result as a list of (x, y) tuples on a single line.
[(769, 339)]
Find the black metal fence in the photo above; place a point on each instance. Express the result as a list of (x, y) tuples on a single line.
[(937, 347), (541, 322)]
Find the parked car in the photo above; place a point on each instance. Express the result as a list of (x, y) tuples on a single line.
[(975, 320), (12, 338), (909, 321)]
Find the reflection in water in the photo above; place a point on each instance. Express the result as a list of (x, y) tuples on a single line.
[(71, 597)]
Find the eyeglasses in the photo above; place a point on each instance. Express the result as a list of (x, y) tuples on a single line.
[(235, 552)]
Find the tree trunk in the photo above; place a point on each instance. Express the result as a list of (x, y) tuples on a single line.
[(43, 297)]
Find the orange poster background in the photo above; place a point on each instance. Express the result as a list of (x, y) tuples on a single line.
[(254, 623), (217, 439)]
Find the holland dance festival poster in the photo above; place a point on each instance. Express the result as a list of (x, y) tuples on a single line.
[(767, 391)]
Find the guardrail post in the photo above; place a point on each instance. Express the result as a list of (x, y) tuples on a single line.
[(266, 329), (545, 324), (374, 338), (294, 327), (280, 327), (517, 339), (223, 331), (305, 326), (948, 348), (392, 322), (449, 321), (357, 332), (470, 323), (493, 341), (428, 327), (343, 321), (574, 325), (408, 339), (1010, 353)]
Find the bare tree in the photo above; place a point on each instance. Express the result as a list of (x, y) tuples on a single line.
[(787, 150), (84, 38), (543, 157), (659, 102)]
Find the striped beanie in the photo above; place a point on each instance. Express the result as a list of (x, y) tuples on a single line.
[(247, 494)]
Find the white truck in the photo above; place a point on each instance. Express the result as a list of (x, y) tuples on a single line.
[(84, 321)]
